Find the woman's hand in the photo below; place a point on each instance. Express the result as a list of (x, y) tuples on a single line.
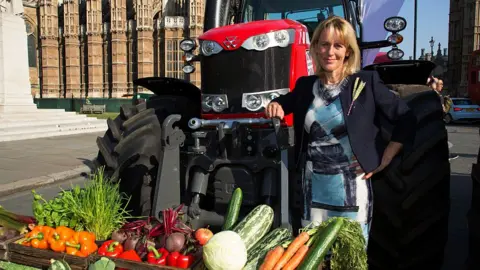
[(274, 110), (390, 152)]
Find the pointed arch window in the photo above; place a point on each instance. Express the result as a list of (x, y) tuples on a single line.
[(31, 45)]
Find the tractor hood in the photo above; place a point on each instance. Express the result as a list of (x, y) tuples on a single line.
[(404, 71), (238, 33), (168, 86)]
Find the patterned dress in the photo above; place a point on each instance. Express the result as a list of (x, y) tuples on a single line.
[(333, 184)]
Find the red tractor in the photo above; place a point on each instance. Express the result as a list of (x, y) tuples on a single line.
[(192, 146)]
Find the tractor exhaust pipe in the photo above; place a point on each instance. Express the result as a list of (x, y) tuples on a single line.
[(216, 14), (196, 123)]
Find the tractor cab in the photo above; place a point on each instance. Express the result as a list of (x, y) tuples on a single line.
[(308, 13)]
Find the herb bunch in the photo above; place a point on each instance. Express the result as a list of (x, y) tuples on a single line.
[(349, 250), (55, 212), (100, 206)]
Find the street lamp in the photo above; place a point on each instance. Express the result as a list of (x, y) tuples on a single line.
[(432, 43)]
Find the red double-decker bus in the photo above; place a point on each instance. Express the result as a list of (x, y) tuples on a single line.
[(473, 84)]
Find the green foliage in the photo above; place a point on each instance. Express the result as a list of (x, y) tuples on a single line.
[(99, 207), (349, 250)]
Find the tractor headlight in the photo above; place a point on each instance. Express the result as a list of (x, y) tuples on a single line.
[(188, 69), (260, 42), (256, 101), (220, 103), (253, 102), (209, 47), (395, 24), (207, 102), (395, 54), (281, 38), (187, 45), (217, 103)]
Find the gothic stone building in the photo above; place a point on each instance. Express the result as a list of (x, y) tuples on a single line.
[(463, 39), (97, 48)]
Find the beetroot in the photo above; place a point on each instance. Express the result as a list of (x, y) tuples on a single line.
[(119, 236), (175, 242), (131, 242)]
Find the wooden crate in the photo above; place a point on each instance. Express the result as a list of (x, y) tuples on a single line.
[(4, 247), (198, 265), (40, 258)]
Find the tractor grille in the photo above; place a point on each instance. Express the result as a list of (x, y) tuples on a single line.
[(241, 71)]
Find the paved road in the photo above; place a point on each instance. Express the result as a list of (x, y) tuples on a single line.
[(466, 143), (38, 157), (21, 203)]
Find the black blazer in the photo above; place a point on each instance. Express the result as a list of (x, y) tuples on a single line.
[(375, 102)]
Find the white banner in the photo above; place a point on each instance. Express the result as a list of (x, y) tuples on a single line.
[(373, 15)]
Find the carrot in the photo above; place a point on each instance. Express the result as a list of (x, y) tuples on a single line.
[(297, 258), (272, 257), (297, 243)]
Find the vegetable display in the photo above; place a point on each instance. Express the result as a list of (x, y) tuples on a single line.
[(249, 243)]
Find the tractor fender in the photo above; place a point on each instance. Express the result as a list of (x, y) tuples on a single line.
[(404, 71), (172, 96), (170, 86)]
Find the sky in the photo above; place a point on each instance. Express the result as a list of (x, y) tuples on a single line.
[(432, 20)]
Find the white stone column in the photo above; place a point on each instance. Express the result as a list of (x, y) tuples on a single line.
[(15, 88)]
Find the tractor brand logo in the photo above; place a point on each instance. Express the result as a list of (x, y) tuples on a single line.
[(230, 42)]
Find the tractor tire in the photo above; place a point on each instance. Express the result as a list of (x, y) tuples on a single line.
[(131, 149), (128, 151), (411, 202), (474, 218)]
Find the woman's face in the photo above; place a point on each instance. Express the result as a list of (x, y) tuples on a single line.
[(331, 50)]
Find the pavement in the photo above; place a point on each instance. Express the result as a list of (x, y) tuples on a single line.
[(29, 164)]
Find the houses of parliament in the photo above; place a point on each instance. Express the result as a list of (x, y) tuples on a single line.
[(97, 48)]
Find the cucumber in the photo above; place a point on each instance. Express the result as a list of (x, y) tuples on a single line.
[(322, 245), (255, 225), (267, 243), (233, 210)]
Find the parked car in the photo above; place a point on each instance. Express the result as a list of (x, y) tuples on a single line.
[(462, 109)]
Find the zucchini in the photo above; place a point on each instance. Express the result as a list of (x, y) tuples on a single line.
[(323, 243), (59, 265), (255, 225), (270, 241), (233, 210)]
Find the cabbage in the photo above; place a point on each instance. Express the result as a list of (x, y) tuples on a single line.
[(225, 251)]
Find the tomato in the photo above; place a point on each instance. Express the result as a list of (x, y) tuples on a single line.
[(202, 235)]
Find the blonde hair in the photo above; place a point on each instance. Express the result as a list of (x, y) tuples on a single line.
[(347, 34)]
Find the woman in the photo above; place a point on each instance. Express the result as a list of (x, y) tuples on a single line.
[(337, 137)]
